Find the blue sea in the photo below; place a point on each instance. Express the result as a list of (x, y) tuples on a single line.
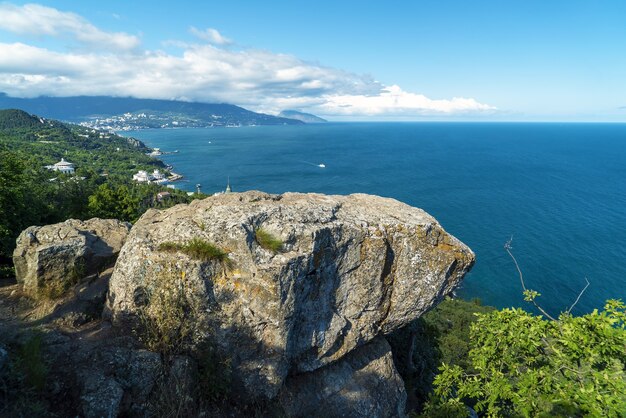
[(558, 189)]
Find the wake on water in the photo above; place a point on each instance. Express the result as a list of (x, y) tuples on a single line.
[(321, 165)]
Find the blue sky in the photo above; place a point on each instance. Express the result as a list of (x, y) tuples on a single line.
[(346, 60)]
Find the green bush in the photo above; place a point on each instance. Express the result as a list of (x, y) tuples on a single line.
[(524, 365), (267, 240), (440, 336)]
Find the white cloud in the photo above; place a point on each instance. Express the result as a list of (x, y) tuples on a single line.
[(210, 35), (400, 103), (258, 80), (37, 20)]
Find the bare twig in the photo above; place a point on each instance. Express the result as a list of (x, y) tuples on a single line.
[(508, 247), (579, 295)]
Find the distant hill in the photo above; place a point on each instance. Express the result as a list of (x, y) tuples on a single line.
[(301, 116), (124, 113), (14, 121), (47, 141), (18, 119)]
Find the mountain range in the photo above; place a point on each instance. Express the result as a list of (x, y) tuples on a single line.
[(301, 116), (126, 113)]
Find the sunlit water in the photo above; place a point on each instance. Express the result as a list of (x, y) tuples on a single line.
[(558, 189)]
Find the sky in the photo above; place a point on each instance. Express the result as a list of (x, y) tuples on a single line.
[(344, 60)]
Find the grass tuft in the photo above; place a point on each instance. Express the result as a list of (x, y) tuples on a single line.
[(197, 249), (268, 241)]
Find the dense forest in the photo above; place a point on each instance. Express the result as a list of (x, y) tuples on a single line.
[(101, 186)]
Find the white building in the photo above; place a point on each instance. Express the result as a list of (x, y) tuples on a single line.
[(62, 166), (157, 176), (142, 176)]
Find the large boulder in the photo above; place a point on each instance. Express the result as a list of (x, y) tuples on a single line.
[(61, 254), (351, 268), (364, 383)]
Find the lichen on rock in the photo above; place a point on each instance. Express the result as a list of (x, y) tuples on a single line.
[(51, 258), (351, 269)]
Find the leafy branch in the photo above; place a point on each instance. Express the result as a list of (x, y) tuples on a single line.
[(532, 295)]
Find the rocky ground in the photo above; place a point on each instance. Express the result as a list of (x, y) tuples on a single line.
[(240, 304)]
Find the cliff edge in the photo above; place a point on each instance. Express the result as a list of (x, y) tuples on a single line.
[(346, 270)]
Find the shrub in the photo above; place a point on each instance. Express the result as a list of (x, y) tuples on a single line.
[(7, 272), (440, 336), (168, 318), (267, 240), (525, 365)]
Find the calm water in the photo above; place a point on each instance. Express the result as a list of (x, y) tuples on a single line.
[(559, 189)]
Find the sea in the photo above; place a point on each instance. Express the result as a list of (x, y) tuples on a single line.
[(558, 190)]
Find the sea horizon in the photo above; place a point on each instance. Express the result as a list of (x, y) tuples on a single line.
[(465, 174)]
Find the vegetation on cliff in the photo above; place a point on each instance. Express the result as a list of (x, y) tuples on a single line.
[(521, 364), (268, 241), (102, 187)]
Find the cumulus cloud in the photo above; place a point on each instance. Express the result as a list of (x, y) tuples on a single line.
[(402, 103), (37, 20), (210, 35), (207, 72)]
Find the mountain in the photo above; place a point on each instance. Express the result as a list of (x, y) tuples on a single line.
[(125, 113), (13, 119), (47, 141), (301, 116)]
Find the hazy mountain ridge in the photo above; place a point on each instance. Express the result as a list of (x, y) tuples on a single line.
[(123, 113), (301, 116)]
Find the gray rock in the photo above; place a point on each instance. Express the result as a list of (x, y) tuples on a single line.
[(101, 397), (352, 268), (4, 358), (117, 379), (182, 375), (364, 383), (67, 251)]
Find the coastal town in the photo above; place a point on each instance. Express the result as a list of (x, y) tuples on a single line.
[(152, 120)]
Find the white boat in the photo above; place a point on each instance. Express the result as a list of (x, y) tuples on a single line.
[(322, 165)]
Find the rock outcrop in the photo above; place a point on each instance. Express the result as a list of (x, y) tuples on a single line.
[(350, 270), (54, 255), (364, 383)]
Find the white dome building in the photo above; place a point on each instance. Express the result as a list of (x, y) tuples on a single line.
[(62, 166)]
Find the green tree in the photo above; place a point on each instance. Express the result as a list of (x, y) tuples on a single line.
[(21, 204), (115, 201), (524, 365)]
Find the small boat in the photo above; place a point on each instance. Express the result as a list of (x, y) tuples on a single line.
[(322, 165)]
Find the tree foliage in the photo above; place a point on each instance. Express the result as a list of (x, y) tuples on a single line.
[(20, 204), (440, 336), (32, 195), (524, 365)]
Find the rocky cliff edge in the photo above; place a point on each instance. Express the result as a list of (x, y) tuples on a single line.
[(338, 274)]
